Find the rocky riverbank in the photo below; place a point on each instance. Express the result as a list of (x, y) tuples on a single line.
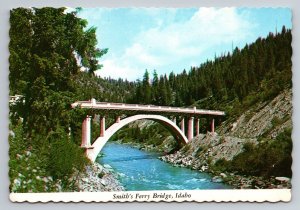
[(98, 178), (235, 180)]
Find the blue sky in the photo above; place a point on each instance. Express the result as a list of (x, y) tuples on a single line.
[(175, 39)]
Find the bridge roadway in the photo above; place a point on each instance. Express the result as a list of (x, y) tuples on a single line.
[(92, 104)]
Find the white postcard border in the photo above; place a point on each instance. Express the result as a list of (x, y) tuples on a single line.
[(249, 195)]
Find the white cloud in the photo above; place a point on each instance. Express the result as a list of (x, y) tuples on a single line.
[(114, 69), (176, 42), (141, 55), (208, 27)]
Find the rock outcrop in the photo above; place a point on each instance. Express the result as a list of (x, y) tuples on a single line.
[(268, 118)]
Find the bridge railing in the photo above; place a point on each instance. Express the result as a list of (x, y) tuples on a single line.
[(142, 107)]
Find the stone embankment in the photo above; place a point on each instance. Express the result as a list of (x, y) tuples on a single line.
[(98, 178)]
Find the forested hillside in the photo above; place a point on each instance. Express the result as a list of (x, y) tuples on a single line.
[(257, 72)]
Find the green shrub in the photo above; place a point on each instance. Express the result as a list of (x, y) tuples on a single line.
[(221, 165), (248, 147), (17, 142), (27, 163), (276, 121), (64, 156), (271, 158)]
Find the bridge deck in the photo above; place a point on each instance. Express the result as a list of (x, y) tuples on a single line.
[(140, 107)]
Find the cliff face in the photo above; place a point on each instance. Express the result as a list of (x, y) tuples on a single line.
[(264, 119)]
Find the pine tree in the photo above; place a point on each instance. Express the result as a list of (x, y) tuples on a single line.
[(146, 99), (45, 46), (154, 88)]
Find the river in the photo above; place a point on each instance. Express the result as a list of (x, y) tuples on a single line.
[(140, 170)]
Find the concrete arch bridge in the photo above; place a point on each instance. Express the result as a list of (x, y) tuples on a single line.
[(150, 112)]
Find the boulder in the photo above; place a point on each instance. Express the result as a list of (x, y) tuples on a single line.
[(204, 168), (223, 175), (217, 179), (103, 182), (107, 166), (282, 179)]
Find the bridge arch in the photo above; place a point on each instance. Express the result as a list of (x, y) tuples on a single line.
[(101, 141)]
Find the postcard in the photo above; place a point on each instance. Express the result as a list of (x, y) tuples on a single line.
[(150, 104)]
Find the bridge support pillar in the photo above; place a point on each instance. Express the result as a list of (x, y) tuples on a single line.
[(197, 126), (213, 125), (86, 133), (174, 120), (191, 128), (102, 126), (182, 125), (118, 119)]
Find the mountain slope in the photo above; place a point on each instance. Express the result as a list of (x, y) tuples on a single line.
[(258, 143)]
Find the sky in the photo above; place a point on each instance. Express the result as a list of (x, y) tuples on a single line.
[(175, 39)]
